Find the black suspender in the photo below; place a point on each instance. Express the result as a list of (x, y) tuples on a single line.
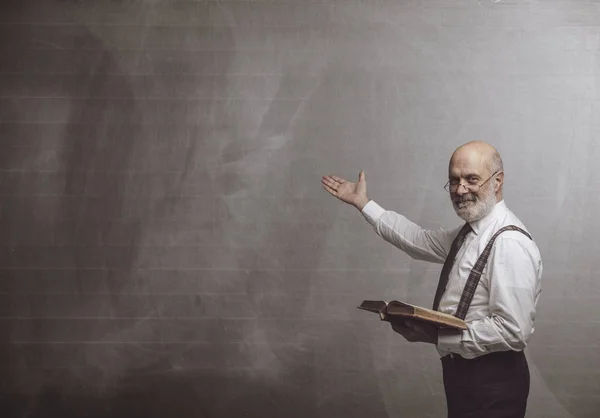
[(477, 270)]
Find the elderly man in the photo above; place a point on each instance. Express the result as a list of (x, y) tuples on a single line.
[(495, 291)]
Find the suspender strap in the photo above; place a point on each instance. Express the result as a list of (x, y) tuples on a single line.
[(477, 270)]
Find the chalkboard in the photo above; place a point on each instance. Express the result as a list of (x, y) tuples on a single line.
[(166, 248)]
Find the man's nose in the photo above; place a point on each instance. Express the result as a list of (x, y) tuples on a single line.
[(461, 189)]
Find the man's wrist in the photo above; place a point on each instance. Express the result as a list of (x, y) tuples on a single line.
[(360, 204)]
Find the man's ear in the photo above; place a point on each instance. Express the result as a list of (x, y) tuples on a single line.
[(499, 181)]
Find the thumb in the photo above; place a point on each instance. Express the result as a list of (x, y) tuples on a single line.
[(361, 175)]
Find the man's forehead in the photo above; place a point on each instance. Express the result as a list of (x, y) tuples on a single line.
[(468, 165)]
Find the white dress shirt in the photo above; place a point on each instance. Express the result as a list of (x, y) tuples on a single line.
[(502, 312)]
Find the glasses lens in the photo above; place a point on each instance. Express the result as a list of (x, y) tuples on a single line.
[(469, 187)]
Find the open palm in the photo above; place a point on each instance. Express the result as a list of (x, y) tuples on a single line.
[(346, 191)]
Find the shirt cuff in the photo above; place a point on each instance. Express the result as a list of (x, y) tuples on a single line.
[(449, 340), (372, 212)]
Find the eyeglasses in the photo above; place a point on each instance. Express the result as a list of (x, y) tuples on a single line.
[(453, 185)]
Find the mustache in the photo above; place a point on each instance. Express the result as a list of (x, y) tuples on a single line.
[(464, 198)]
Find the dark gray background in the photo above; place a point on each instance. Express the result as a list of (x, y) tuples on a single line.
[(166, 249)]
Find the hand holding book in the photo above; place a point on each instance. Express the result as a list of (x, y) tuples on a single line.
[(395, 311), (415, 331)]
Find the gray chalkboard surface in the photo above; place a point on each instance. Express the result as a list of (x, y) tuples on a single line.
[(166, 249)]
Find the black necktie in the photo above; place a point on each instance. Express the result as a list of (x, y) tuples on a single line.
[(456, 244)]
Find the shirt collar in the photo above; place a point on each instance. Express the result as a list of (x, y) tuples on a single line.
[(481, 224)]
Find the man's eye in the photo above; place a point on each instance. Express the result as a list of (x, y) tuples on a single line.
[(473, 180), (454, 182)]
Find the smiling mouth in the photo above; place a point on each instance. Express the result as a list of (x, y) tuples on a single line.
[(463, 203)]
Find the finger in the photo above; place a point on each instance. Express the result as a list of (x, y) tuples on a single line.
[(406, 332), (333, 178), (399, 327), (399, 321), (329, 182), (361, 175), (330, 190), (330, 187), (415, 325)]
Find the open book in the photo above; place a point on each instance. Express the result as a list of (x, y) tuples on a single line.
[(389, 310)]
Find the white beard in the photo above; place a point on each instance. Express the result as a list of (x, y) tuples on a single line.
[(473, 210)]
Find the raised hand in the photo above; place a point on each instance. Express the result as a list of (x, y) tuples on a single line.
[(352, 193)]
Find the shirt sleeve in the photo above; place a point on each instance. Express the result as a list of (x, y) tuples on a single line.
[(513, 273), (417, 242)]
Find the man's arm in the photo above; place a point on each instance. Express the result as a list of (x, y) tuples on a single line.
[(419, 243), (513, 272)]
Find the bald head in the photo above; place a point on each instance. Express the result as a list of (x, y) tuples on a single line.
[(478, 152)]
